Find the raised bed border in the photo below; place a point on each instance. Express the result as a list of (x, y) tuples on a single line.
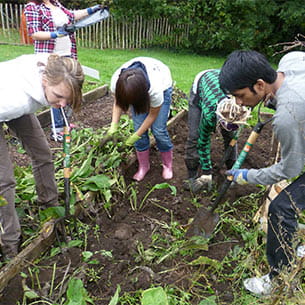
[(93, 95)]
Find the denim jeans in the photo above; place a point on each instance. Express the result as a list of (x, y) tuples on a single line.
[(158, 128), (58, 118), (282, 224), (28, 130)]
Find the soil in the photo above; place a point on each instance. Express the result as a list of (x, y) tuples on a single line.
[(124, 232)]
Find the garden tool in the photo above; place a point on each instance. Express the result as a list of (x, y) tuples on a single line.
[(231, 145), (67, 171), (205, 219), (87, 21)]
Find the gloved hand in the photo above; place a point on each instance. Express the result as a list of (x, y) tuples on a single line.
[(132, 139), (70, 28), (60, 32), (200, 183), (91, 10), (113, 129), (111, 134), (239, 175)]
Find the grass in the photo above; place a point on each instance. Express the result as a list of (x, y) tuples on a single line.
[(184, 66)]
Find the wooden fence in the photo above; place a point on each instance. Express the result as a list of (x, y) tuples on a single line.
[(109, 33)]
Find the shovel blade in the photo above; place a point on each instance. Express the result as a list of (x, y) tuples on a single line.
[(203, 224)]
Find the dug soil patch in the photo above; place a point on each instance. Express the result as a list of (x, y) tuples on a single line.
[(121, 238)]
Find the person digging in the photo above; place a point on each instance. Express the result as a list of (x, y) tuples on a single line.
[(42, 80), (251, 79), (209, 106), (144, 85)]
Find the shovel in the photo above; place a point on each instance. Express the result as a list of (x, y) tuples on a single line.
[(67, 172), (231, 146), (205, 219)]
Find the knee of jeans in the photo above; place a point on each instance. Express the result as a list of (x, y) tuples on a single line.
[(159, 133)]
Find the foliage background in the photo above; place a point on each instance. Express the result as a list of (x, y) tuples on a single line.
[(217, 26)]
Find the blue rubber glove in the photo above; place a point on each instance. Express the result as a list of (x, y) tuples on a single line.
[(239, 175), (91, 10), (60, 32)]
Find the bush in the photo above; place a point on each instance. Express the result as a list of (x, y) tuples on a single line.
[(221, 26)]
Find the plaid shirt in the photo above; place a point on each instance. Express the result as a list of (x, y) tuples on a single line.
[(39, 18)]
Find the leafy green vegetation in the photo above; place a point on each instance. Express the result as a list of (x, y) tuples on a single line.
[(96, 176)]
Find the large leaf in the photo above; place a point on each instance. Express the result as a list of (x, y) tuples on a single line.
[(85, 170), (154, 296), (165, 185), (77, 294), (96, 183)]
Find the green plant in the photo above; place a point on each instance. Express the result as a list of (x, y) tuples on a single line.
[(158, 187), (77, 294)]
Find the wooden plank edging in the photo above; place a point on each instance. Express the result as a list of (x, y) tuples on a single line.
[(91, 96), (35, 249)]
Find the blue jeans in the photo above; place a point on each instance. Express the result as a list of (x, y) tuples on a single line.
[(58, 118), (158, 128)]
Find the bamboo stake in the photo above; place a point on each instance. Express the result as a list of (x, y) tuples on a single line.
[(123, 41), (16, 16), (12, 23), (6, 20), (2, 19), (112, 33)]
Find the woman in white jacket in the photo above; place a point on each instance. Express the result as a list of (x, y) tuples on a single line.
[(28, 83)]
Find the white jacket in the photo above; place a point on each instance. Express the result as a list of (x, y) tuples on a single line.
[(21, 89)]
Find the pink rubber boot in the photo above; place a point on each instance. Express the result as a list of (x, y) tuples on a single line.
[(167, 162), (144, 166)]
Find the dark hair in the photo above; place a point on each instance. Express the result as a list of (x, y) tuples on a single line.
[(132, 89), (242, 69)]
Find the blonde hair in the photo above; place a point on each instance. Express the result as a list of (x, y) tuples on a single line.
[(68, 70)]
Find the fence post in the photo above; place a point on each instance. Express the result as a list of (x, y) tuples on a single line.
[(109, 33)]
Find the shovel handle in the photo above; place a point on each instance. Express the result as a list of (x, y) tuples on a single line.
[(240, 160), (230, 147), (67, 169)]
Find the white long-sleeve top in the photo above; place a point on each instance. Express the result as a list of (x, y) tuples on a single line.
[(21, 90)]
